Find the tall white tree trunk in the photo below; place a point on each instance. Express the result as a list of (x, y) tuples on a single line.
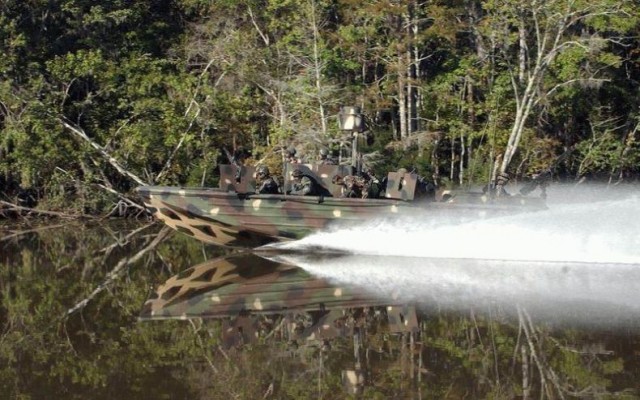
[(318, 68), (550, 23), (402, 98)]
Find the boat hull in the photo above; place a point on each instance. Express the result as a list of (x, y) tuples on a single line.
[(238, 220)]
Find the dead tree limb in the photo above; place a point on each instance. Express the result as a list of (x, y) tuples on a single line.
[(118, 243), (24, 232), (13, 207), (546, 372), (79, 132), (120, 196), (115, 272)]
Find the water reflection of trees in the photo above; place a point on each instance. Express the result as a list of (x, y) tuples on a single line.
[(445, 355), (101, 351)]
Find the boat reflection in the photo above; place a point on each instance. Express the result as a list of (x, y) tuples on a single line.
[(392, 318), (242, 288), (270, 282)]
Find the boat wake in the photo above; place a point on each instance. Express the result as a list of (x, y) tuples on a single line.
[(572, 263), (566, 292), (604, 232)]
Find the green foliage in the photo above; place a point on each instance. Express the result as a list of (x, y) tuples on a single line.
[(163, 87)]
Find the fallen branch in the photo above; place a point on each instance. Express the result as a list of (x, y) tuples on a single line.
[(14, 207), (123, 198), (543, 368), (118, 243), (83, 135), (115, 272), (167, 165), (20, 233)]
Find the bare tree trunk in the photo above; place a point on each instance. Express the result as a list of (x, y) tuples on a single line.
[(435, 162), (411, 98), (551, 22), (462, 154), (525, 372), (402, 101), (522, 55), (417, 75), (318, 69), (474, 17), (453, 159), (412, 350)]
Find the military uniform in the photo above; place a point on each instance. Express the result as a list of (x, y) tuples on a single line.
[(325, 158), (374, 186), (303, 186), (268, 185), (353, 186)]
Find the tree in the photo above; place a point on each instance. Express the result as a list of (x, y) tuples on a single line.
[(528, 38)]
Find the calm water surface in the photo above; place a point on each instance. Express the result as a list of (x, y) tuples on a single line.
[(127, 310)]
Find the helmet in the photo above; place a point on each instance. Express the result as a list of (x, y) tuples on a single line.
[(262, 171), (336, 180), (402, 171), (296, 173), (291, 151), (324, 152)]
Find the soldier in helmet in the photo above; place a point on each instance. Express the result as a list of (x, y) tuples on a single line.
[(267, 183), (325, 158), (291, 155), (303, 185), (352, 186)]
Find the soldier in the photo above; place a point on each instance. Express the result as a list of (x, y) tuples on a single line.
[(303, 185), (325, 158), (352, 186), (268, 184), (373, 183), (291, 155)]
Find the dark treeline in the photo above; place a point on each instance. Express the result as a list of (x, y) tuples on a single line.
[(96, 99)]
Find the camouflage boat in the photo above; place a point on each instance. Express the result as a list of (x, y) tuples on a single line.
[(234, 215), (249, 293), (246, 283)]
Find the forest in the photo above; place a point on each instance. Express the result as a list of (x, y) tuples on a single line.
[(98, 98)]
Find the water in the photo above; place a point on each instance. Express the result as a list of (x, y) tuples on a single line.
[(553, 306), (580, 254)]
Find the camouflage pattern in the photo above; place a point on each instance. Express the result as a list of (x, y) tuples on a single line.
[(353, 186), (247, 283), (243, 287), (305, 186), (233, 215)]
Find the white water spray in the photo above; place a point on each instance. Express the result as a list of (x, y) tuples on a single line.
[(575, 259), (602, 232)]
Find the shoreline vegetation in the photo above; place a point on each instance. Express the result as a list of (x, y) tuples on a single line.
[(96, 100)]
